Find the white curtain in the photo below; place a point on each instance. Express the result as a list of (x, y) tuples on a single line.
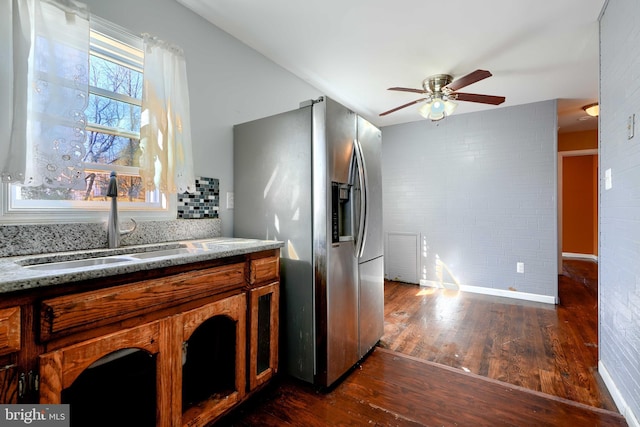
[(165, 157), (47, 45)]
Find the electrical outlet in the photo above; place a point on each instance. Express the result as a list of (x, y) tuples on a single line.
[(230, 200), (608, 183), (520, 267)]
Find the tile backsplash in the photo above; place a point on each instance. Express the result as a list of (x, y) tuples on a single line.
[(204, 202)]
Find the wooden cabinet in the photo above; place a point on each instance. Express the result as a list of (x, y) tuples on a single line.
[(264, 303), (10, 336), (181, 390), (180, 346), (78, 375), (9, 330), (213, 373), (68, 314), (9, 384), (263, 334)]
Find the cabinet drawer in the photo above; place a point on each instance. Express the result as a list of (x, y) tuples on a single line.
[(67, 314), (9, 330), (264, 269)]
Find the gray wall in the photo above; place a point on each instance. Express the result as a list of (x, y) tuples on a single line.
[(619, 252), (229, 82), (480, 191)]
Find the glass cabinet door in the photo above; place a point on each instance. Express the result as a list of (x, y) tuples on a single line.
[(263, 334)]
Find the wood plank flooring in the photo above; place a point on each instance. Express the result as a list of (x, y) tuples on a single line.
[(553, 349), (458, 360), (392, 389)]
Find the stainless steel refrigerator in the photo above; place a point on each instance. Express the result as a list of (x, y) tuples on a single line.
[(311, 177)]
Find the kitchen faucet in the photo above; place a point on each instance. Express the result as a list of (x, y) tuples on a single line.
[(113, 227)]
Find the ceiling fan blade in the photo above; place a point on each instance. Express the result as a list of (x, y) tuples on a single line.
[(484, 99), (407, 89), (470, 78), (408, 104)]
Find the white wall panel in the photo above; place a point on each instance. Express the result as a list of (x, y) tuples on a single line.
[(401, 257)]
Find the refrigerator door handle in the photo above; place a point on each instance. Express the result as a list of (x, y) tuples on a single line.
[(362, 212)]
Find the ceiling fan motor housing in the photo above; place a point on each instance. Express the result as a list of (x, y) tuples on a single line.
[(436, 83)]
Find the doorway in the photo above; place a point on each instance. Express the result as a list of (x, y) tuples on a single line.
[(578, 204)]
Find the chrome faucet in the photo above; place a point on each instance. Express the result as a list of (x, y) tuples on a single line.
[(113, 227)]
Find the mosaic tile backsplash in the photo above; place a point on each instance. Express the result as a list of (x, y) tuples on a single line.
[(203, 203)]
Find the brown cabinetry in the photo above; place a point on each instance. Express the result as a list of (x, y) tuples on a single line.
[(9, 346), (9, 330), (176, 344), (80, 375), (213, 373), (263, 334), (9, 384), (263, 300)]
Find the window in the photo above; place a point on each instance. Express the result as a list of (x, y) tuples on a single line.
[(113, 116)]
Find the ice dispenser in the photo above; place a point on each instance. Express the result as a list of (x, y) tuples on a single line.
[(341, 227)]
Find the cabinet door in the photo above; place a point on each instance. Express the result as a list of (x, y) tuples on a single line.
[(9, 343), (79, 363), (9, 330), (213, 372), (9, 384), (263, 333)]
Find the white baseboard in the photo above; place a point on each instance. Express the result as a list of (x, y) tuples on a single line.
[(572, 255), (621, 403), (547, 299)]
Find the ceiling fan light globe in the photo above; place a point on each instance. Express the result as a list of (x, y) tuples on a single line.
[(436, 117), (437, 107), (425, 110), (449, 107)]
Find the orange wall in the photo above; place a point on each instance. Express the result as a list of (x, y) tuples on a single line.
[(579, 204), (584, 140)]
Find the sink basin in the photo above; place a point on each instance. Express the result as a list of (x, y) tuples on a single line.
[(132, 254), (65, 265), (49, 264)]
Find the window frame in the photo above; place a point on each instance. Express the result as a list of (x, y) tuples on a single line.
[(162, 206)]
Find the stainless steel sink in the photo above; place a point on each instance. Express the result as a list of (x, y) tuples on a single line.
[(49, 263), (93, 258), (65, 265)]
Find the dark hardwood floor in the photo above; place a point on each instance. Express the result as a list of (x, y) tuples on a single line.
[(553, 349), (459, 359), (392, 389)]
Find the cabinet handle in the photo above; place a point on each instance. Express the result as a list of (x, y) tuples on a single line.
[(34, 381), (21, 385), (28, 383)]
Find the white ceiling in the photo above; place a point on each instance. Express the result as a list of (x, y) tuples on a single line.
[(353, 50)]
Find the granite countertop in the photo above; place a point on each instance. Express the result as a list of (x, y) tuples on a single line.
[(27, 272)]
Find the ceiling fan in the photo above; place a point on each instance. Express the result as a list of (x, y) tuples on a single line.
[(441, 91)]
